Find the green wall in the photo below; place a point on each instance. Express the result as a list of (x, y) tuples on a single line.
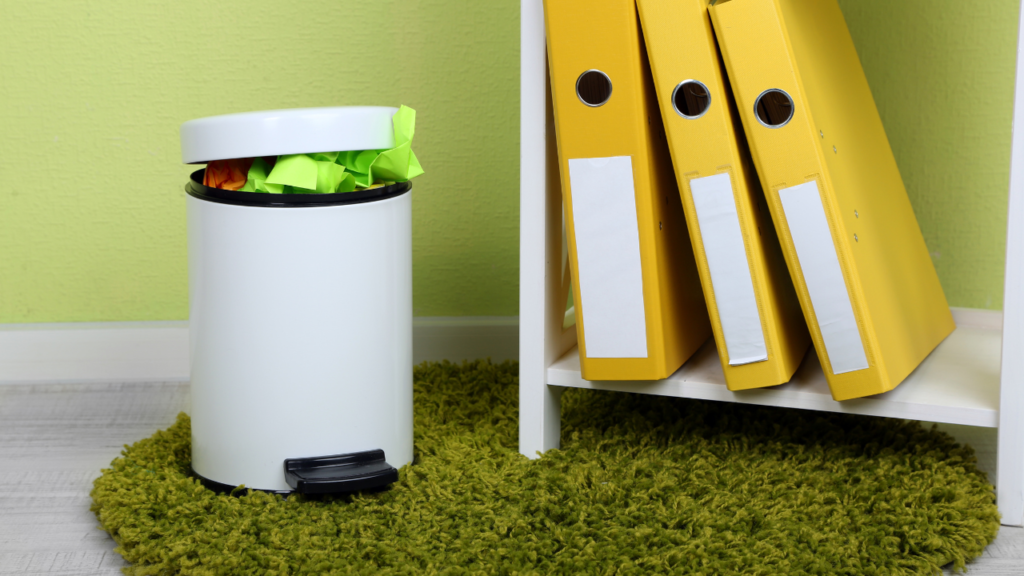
[(92, 207), (942, 75), (91, 97)]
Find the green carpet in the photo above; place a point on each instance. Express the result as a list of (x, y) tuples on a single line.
[(642, 485)]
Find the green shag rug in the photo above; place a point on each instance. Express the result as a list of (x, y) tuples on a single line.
[(642, 485)]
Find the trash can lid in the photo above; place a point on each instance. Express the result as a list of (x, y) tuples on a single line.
[(295, 131)]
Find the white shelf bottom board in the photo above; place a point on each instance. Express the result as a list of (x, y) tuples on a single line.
[(958, 383)]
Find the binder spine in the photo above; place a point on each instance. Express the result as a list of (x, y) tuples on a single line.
[(639, 315), (759, 330), (776, 117)]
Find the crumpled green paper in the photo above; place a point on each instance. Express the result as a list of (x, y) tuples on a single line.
[(257, 180), (332, 172), (399, 164)]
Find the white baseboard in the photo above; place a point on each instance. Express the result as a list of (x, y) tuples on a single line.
[(158, 351)]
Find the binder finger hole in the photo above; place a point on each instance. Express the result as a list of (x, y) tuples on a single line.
[(774, 108), (691, 99), (594, 88)]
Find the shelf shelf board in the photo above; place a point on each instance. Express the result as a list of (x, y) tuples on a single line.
[(958, 382)]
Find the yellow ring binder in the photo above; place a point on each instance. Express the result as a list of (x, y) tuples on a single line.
[(756, 320), (873, 302), (639, 309)]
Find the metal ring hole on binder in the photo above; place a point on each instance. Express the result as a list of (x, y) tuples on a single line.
[(691, 99), (594, 88), (774, 108)]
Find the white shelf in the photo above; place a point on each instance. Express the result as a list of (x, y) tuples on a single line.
[(958, 383)]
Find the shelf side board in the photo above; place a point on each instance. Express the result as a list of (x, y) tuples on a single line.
[(540, 233), (1010, 463)]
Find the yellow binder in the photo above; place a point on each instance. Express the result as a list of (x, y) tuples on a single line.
[(639, 309), (863, 274), (755, 316)]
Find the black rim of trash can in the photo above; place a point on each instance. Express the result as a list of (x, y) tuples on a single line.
[(197, 189)]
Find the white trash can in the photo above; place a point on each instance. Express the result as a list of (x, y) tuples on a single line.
[(300, 312)]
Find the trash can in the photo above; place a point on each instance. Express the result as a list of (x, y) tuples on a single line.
[(300, 312)]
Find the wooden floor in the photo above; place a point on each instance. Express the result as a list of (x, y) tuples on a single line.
[(54, 439)]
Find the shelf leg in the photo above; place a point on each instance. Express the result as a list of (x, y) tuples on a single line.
[(1010, 463), (540, 416), (541, 294)]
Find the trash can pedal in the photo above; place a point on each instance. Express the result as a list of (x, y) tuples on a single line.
[(339, 473)]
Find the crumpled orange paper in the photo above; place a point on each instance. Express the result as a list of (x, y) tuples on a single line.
[(227, 174)]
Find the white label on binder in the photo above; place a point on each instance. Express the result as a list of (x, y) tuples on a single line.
[(608, 257), (730, 272), (819, 263)]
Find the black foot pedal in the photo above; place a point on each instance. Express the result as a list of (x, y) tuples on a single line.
[(339, 473)]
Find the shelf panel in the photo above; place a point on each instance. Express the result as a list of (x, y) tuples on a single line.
[(958, 383)]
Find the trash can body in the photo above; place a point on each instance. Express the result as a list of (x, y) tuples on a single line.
[(300, 335)]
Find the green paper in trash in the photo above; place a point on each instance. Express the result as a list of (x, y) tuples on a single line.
[(329, 176), (257, 179), (346, 171), (325, 156), (362, 180), (348, 183), (257, 173), (399, 163), (299, 170), (358, 160)]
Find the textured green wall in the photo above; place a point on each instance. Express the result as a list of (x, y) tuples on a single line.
[(92, 211), (91, 97), (942, 75)]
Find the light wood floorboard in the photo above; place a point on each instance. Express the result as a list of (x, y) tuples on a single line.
[(55, 439)]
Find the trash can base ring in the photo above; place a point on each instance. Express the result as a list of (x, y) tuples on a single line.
[(222, 488)]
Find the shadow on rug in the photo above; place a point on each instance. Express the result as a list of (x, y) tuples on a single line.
[(642, 485)]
